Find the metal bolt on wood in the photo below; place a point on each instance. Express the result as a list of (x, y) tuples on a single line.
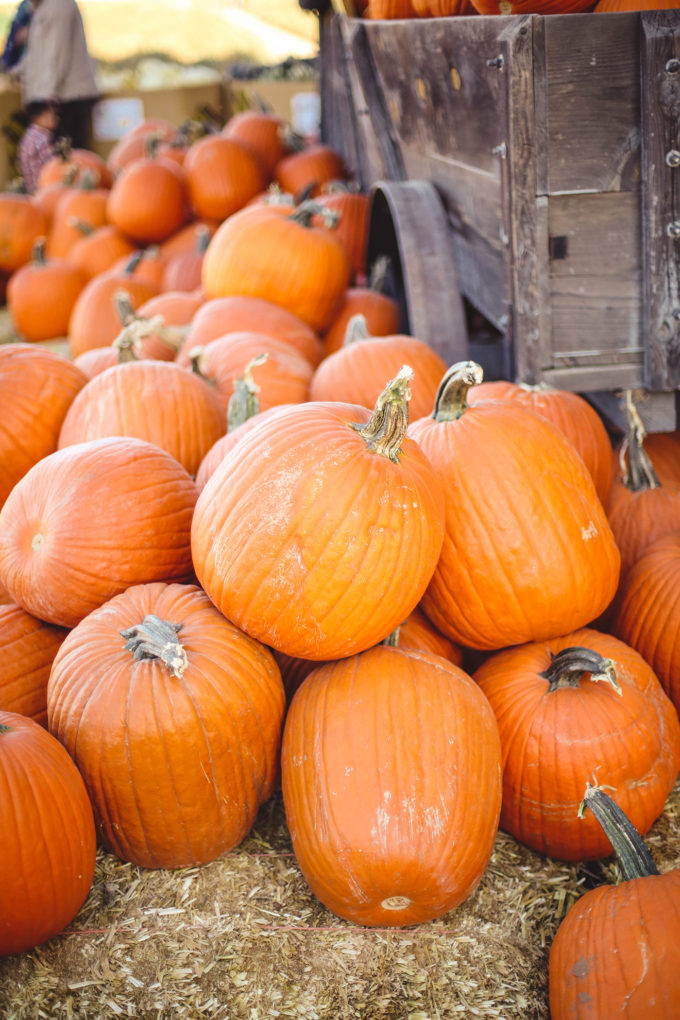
[(673, 158), (673, 229), (673, 66)]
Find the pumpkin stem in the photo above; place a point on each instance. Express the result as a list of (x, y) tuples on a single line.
[(62, 148), (203, 237), (357, 329), (85, 228), (384, 431), (244, 403), (126, 312), (640, 473), (451, 399), (392, 640), (38, 254), (632, 853), (133, 262), (305, 213), (136, 327), (377, 278), (157, 639), (568, 667), (5, 729)]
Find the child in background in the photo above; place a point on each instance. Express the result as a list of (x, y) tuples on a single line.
[(35, 147)]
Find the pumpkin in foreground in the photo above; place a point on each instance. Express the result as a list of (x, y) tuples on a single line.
[(174, 718), (391, 778), (318, 534), (617, 952), (48, 847)]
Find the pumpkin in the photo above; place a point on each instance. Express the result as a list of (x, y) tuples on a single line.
[(663, 450), (528, 552), (41, 296), (148, 200), (173, 717), (388, 10), (183, 271), (283, 378), (639, 508), (157, 401), (237, 314), (186, 239), (260, 131), (176, 309), (135, 144), (355, 372), (647, 611), (305, 172), (72, 165), (27, 650), (635, 5), (568, 707), (94, 361), (353, 209), (381, 312), (48, 848), (90, 520), (269, 252), (95, 320), (615, 953), (76, 211), (573, 415), (21, 224), (222, 176), (531, 6), (99, 249), (391, 783), (37, 387), (299, 534)]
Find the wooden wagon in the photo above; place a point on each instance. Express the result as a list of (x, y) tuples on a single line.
[(525, 169)]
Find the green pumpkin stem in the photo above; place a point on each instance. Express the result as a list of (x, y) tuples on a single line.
[(640, 473), (85, 228), (157, 639), (39, 254), (5, 729), (384, 432), (306, 211), (357, 329), (569, 665), (451, 399), (633, 856), (244, 402)]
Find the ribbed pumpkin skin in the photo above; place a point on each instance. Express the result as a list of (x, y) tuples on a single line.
[(352, 229), (37, 387), (97, 360), (87, 205), (236, 314), (262, 133), (284, 378), (528, 552), (176, 308), (48, 848), (89, 521), (41, 297), (390, 771), (574, 417), (380, 311), (222, 176), (94, 320), (300, 533), (553, 742), (27, 649), (639, 518), (648, 611), (148, 201), (176, 768), (357, 372), (152, 400), (615, 954), (262, 252)]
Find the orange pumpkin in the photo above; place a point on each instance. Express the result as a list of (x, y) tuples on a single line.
[(359, 498), (98, 250), (353, 208), (37, 387), (306, 171), (27, 650), (183, 271), (21, 224), (77, 210), (222, 176), (381, 312), (73, 165), (262, 132), (59, 559), (41, 296), (148, 201), (135, 143), (176, 731), (177, 310)]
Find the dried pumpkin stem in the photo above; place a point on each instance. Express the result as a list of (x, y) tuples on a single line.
[(357, 329), (5, 729), (157, 639), (377, 278), (630, 848), (640, 473), (305, 213), (384, 432), (244, 402), (451, 399), (568, 667)]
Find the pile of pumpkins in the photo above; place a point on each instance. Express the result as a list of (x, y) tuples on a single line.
[(382, 10), (251, 534)]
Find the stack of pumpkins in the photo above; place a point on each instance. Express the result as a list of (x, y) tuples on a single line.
[(391, 10), (277, 540)]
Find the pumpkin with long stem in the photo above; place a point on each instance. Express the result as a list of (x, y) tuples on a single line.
[(617, 953)]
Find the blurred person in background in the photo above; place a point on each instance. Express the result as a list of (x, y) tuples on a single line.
[(56, 68)]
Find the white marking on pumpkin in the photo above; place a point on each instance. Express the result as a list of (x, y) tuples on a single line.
[(381, 827), (589, 532)]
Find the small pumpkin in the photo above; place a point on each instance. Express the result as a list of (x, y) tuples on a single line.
[(48, 846), (381, 312), (262, 132), (222, 176), (148, 200), (21, 224), (42, 294)]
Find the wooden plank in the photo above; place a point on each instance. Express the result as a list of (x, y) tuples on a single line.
[(592, 66), (661, 198), (520, 201), (595, 288), (338, 123), (658, 411)]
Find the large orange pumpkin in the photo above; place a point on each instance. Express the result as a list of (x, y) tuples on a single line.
[(173, 717), (222, 176), (269, 252), (152, 400), (299, 535), (27, 650), (48, 846), (88, 521), (528, 552), (391, 783), (582, 704), (37, 387)]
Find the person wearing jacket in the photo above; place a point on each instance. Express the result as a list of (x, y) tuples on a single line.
[(56, 68)]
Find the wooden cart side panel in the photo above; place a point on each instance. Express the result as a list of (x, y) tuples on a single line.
[(338, 122), (660, 67), (592, 102)]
